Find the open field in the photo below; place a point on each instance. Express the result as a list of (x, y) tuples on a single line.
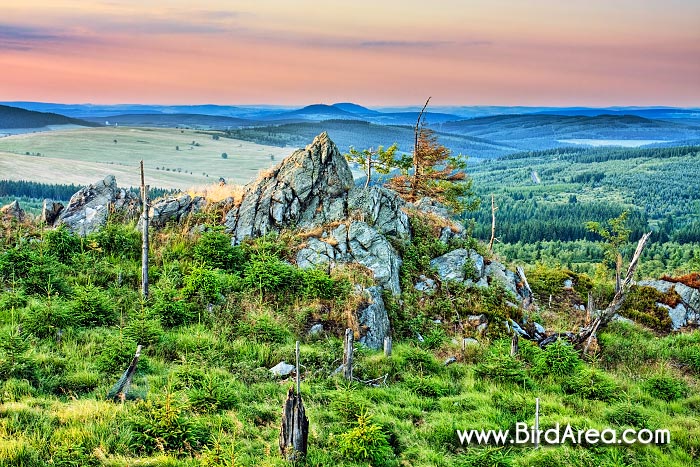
[(85, 155)]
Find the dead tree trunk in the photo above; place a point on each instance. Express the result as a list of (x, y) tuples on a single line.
[(493, 224), (294, 433), (144, 242), (120, 390), (347, 354), (387, 346), (530, 298), (587, 333), (416, 133)]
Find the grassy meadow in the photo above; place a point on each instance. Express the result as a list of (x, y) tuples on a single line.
[(219, 316), (85, 155)]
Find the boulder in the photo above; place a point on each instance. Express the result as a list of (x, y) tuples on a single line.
[(308, 188), (282, 369), (89, 208), (496, 271), (173, 209), (687, 312), (355, 243), (12, 211), (316, 329), (452, 266), (373, 320), (50, 211), (425, 284)]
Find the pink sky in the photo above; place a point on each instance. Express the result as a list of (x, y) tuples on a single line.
[(498, 52)]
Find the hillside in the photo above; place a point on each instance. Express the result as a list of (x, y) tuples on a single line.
[(14, 117), (302, 254)]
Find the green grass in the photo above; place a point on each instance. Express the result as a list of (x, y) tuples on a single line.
[(203, 395)]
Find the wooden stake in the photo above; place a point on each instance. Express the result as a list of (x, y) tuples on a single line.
[(347, 354), (493, 224), (298, 372), (144, 243), (514, 347), (120, 390), (387, 346)]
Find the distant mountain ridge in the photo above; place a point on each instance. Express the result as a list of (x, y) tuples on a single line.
[(15, 117)]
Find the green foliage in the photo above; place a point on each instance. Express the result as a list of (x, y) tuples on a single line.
[(91, 306), (117, 239), (164, 426), (62, 243), (641, 306), (116, 354), (16, 360), (484, 457), (212, 394), (169, 306), (591, 383), (366, 443), (263, 328), (416, 255), (45, 319), (627, 414), (144, 327), (499, 366), (559, 359), (214, 250), (381, 160), (202, 285), (666, 388)]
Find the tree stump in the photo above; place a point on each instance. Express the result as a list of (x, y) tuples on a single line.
[(294, 433)]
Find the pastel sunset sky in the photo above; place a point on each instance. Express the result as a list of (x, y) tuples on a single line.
[(373, 52)]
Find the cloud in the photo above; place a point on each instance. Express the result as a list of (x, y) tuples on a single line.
[(24, 38), (418, 44)]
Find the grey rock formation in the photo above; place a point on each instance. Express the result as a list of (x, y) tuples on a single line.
[(382, 209), (452, 266), (356, 243), (373, 320), (308, 188), (50, 211), (496, 271), (316, 329), (429, 205), (90, 207), (13, 211), (425, 284), (173, 209), (686, 313)]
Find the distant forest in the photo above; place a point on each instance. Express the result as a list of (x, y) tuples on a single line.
[(35, 190)]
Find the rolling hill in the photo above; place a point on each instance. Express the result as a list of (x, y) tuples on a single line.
[(15, 117)]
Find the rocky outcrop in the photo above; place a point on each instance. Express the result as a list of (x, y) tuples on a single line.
[(89, 208), (685, 313), (497, 272), (50, 210), (459, 265), (314, 188), (355, 243), (174, 209), (12, 211), (308, 188), (373, 320), (381, 208)]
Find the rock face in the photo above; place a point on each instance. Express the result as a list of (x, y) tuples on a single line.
[(308, 188), (314, 188), (12, 211), (174, 209), (459, 265), (355, 243), (374, 322), (469, 267), (686, 313), (50, 211), (90, 207)]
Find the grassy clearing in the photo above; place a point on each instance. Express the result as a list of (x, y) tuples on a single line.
[(172, 161)]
